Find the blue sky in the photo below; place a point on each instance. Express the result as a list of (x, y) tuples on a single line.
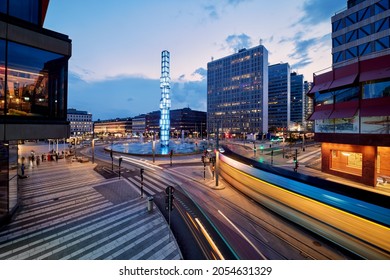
[(115, 66)]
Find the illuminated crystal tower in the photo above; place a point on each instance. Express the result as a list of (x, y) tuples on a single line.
[(165, 101)]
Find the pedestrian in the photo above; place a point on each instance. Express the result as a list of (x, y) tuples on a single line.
[(22, 169), (38, 160)]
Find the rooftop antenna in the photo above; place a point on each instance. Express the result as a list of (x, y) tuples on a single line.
[(261, 42)]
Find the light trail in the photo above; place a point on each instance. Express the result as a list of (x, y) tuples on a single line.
[(243, 235)]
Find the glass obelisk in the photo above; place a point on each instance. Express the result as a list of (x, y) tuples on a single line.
[(165, 101)]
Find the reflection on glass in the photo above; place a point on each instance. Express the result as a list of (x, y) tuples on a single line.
[(376, 90), (36, 82)]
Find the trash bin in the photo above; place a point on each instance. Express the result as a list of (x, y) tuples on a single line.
[(150, 203)]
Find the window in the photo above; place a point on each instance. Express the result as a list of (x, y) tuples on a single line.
[(382, 43), (364, 13), (337, 41), (365, 49), (338, 25), (364, 31), (323, 98), (351, 36), (381, 6), (347, 94), (35, 82), (376, 90), (381, 25), (338, 57), (28, 10), (347, 162), (2, 76), (351, 53), (351, 19)]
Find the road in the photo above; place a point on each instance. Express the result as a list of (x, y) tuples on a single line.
[(230, 218)]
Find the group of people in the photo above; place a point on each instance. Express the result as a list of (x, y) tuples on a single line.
[(35, 160)]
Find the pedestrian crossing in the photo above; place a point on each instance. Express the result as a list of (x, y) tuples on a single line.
[(71, 212), (152, 183)]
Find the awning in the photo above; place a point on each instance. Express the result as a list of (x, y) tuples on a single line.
[(344, 110), (375, 107), (321, 87), (322, 82), (344, 81), (321, 112), (375, 75)]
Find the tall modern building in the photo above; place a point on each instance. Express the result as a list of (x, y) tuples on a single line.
[(165, 101), (279, 97), (33, 88), (237, 93), (297, 100), (308, 107), (352, 101)]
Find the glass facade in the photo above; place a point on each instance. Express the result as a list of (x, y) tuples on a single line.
[(9, 194), (367, 26), (27, 10), (32, 83), (237, 92)]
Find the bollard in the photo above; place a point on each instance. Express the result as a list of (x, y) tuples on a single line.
[(150, 203)]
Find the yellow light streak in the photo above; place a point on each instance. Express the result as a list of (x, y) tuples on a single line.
[(211, 242)]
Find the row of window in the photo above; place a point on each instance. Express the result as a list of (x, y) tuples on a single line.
[(362, 50), (360, 15), (366, 125), (369, 90), (362, 32)]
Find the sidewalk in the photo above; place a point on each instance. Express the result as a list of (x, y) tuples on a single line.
[(69, 211)]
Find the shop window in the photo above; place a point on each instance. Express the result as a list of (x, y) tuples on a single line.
[(383, 164), (346, 162), (375, 125)]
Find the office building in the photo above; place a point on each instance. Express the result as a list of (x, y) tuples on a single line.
[(33, 88), (297, 101), (308, 107), (80, 122), (237, 93), (279, 97), (352, 101)]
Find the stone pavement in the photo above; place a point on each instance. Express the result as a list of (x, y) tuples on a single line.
[(71, 212)]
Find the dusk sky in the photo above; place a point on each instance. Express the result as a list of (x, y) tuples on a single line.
[(114, 70)]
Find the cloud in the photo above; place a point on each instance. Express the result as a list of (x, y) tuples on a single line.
[(211, 11), (237, 42), (236, 2), (317, 11), (202, 72), (190, 94)]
